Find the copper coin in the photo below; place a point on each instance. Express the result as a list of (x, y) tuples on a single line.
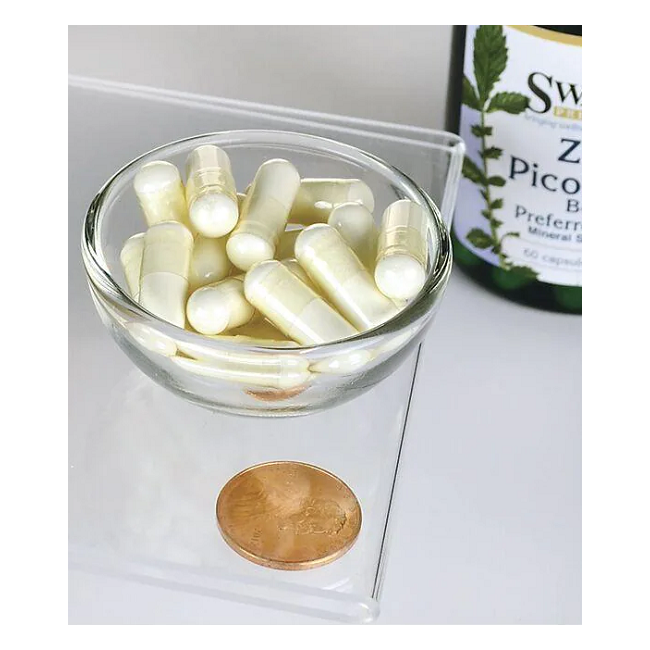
[(288, 515)]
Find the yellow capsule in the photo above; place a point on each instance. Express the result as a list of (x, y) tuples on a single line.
[(264, 214), (211, 193), (402, 253), (292, 306), (165, 269), (159, 189), (344, 280), (317, 197), (131, 260)]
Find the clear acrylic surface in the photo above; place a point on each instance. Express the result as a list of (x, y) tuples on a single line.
[(146, 467)]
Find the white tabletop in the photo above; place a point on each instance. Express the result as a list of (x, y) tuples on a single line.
[(487, 523)]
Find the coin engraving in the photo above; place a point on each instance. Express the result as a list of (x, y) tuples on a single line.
[(288, 515)]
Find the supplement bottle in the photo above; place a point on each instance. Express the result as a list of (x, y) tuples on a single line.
[(516, 100)]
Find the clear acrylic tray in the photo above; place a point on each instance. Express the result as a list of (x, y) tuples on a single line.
[(146, 467)]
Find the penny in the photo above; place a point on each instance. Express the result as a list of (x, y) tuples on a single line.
[(275, 394), (288, 515)]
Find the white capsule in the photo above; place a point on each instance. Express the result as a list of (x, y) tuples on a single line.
[(252, 368), (344, 280), (209, 261), (262, 342), (219, 307), (165, 269), (295, 309), (264, 214), (342, 363), (400, 271), (151, 339), (299, 272), (286, 244), (357, 227), (131, 260), (260, 328), (211, 192), (160, 192), (317, 197)]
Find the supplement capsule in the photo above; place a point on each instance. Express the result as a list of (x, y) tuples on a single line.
[(131, 260), (260, 328), (317, 197), (296, 310), (400, 271), (357, 227), (211, 193), (300, 273), (151, 339), (342, 363), (219, 306), (264, 214), (345, 281), (262, 342), (160, 192), (165, 269), (286, 244), (254, 369), (209, 262)]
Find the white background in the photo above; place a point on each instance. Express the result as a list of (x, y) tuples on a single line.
[(389, 73)]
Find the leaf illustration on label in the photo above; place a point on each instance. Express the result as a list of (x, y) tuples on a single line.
[(524, 272), (480, 131), (493, 153), (470, 98), (472, 172), (509, 102), (480, 238), (490, 58)]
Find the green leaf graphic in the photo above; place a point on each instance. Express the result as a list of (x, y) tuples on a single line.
[(493, 153), (490, 58), (479, 238), (472, 172), (470, 98), (524, 272), (480, 131), (509, 102)]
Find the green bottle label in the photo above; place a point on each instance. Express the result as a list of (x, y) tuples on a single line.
[(520, 199)]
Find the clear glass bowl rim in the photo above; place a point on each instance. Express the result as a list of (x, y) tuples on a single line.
[(97, 269)]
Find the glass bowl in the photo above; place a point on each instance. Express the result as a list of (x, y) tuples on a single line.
[(247, 379)]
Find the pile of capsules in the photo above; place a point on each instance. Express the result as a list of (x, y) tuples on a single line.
[(292, 261)]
